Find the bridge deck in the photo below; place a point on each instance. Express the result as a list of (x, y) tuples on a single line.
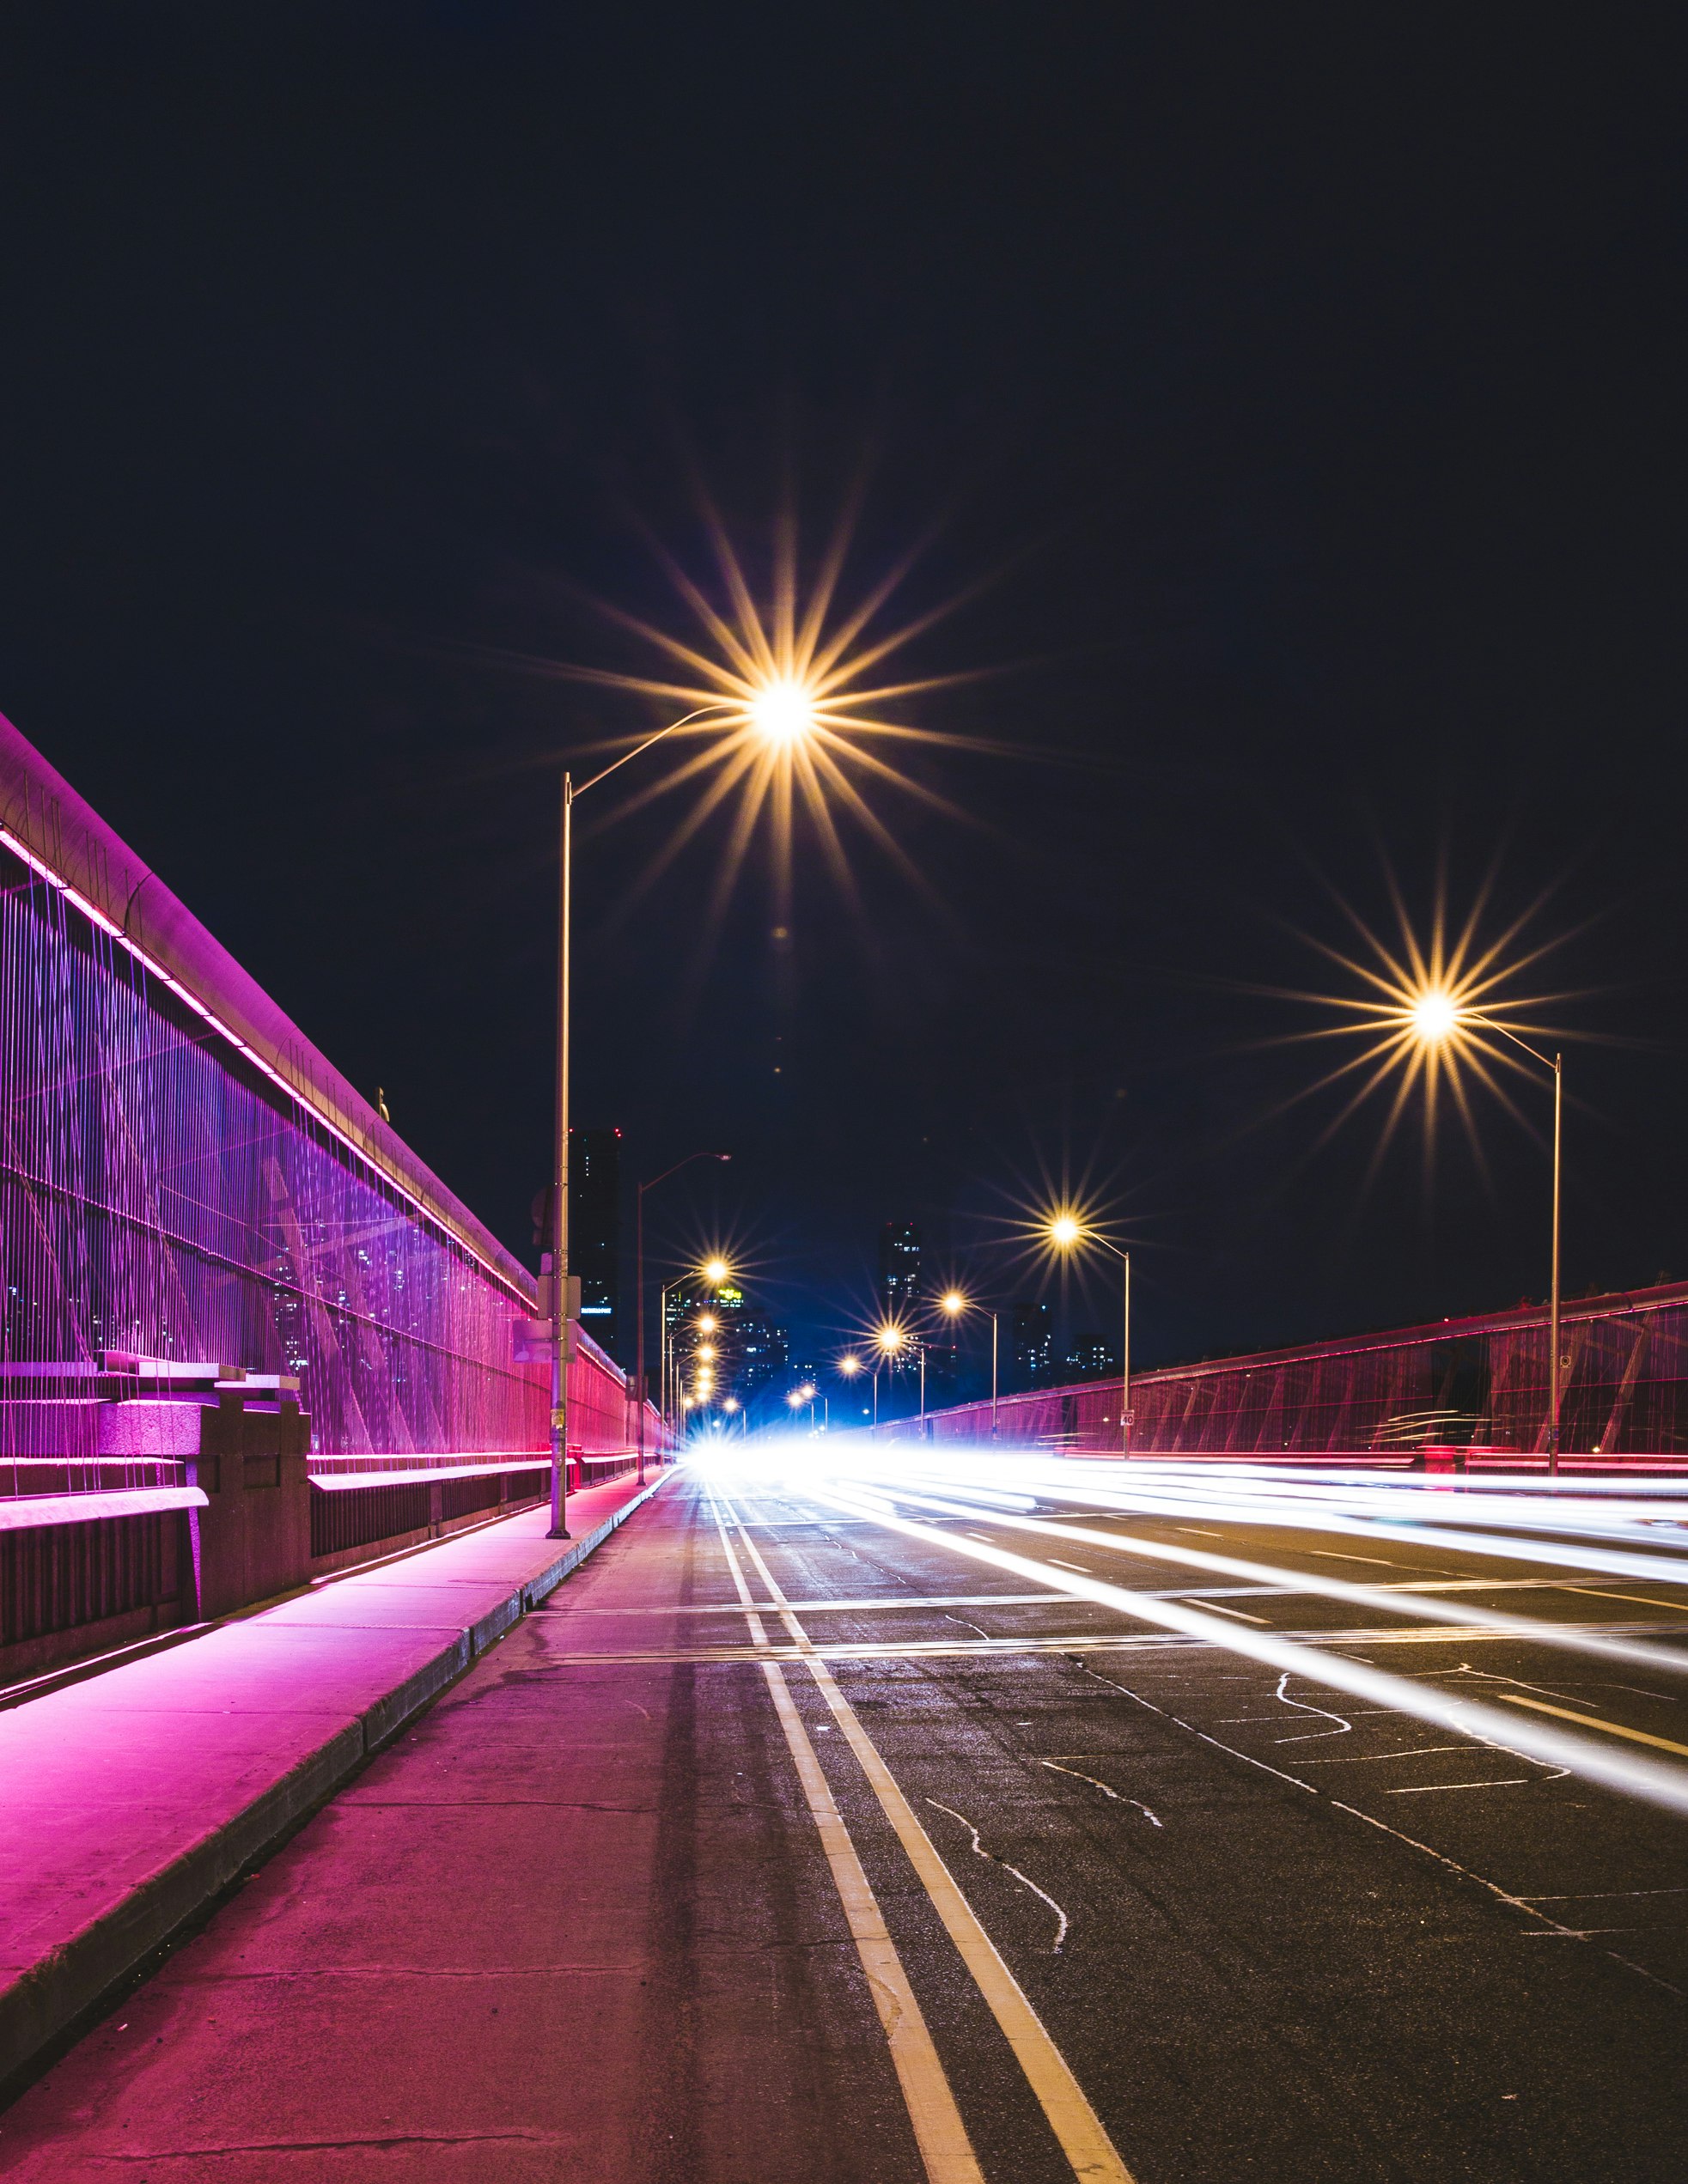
[(623, 1903), (128, 1800)]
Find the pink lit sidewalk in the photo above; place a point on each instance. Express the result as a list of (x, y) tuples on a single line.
[(128, 1801)]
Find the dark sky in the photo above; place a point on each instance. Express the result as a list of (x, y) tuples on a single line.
[(1292, 397)]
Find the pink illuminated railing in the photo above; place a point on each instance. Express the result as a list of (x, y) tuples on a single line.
[(188, 1189), (1477, 1386)]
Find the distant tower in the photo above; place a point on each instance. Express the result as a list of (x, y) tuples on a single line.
[(595, 1229), (898, 1269), (1033, 1339)]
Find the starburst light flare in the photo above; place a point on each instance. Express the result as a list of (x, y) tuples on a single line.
[(782, 700), (1437, 1013)]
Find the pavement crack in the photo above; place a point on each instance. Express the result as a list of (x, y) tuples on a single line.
[(1344, 1727), (1119, 1795), (333, 2145), (1025, 1880)]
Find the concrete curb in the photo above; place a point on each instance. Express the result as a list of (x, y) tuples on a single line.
[(49, 2001)]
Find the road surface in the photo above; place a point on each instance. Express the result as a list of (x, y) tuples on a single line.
[(843, 1828)]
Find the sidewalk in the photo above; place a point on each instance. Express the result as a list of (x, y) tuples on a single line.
[(128, 1801)]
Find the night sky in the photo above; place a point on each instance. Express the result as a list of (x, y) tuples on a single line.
[(1289, 400)]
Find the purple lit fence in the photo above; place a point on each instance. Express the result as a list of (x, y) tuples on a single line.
[(1478, 1386), (184, 1179), (159, 1198)]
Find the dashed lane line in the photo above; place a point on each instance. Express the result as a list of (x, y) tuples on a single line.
[(1088, 2148), (939, 2133)]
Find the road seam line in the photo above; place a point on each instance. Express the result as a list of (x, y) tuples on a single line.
[(1091, 2153), (939, 2133)]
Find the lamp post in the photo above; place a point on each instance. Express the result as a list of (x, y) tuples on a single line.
[(1438, 1019), (954, 1303), (714, 1271), (1065, 1231), (889, 1338), (560, 1247), (849, 1366), (639, 1277)]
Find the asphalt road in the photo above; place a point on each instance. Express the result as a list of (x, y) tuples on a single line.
[(809, 1836)]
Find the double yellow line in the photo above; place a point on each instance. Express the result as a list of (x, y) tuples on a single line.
[(938, 2130)]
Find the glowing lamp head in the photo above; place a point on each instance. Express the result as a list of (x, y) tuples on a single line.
[(1064, 1232), (952, 1302), (890, 1340), (706, 1351), (795, 1397), (716, 1270), (850, 1367), (706, 1324), (1435, 1017), (783, 713), (730, 1405)]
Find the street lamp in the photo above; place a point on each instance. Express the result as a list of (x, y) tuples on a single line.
[(779, 710), (716, 1270), (954, 1303), (888, 1339), (1065, 1232), (639, 1278), (1438, 1021)]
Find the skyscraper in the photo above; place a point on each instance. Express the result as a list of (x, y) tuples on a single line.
[(1093, 1357), (898, 1269), (595, 1229), (1032, 1346)]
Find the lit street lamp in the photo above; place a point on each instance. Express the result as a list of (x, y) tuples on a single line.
[(889, 1339), (639, 1278), (1065, 1232), (1440, 1022)]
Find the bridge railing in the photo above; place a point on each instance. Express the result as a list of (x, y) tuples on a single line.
[(222, 1274), (1477, 1388)]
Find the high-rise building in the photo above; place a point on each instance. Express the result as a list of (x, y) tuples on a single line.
[(1093, 1357), (898, 1269), (595, 1229), (1032, 1346)]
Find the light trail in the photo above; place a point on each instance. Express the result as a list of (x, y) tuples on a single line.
[(1648, 1780), (1374, 1520), (1570, 1637)]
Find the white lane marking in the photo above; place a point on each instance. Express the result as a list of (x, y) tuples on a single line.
[(1089, 2151), (1517, 1903), (1330, 1555), (1602, 1895), (941, 2137), (1060, 1565), (1200, 1531), (1119, 1795), (1372, 1759), (1214, 1606), (991, 1858), (1501, 1782), (1344, 1728)]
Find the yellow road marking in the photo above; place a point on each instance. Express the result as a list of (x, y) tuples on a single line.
[(1594, 1592), (1076, 2124), (939, 2131), (1591, 1721)]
